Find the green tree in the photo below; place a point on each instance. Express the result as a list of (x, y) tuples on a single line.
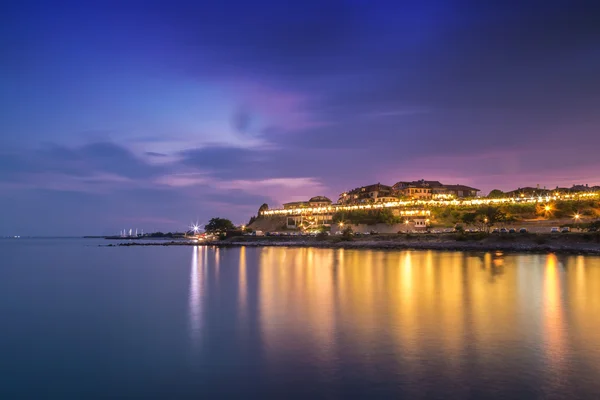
[(219, 225), (489, 216), (323, 232), (369, 217), (469, 218), (263, 207), (496, 194), (594, 226), (484, 218), (386, 216), (347, 233)]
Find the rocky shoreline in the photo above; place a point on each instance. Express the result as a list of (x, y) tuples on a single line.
[(569, 243)]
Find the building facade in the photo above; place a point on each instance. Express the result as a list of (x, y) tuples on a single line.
[(433, 190), (417, 190), (317, 201), (461, 191), (376, 193), (307, 220)]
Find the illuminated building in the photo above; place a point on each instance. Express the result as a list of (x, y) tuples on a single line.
[(426, 190), (376, 193)]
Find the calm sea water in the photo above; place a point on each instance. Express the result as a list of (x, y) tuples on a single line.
[(81, 321)]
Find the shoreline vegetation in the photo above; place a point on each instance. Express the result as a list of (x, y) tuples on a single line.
[(573, 243)]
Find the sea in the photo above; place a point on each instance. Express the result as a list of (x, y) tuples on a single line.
[(79, 320)]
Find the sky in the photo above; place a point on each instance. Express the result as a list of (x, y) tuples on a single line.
[(156, 114)]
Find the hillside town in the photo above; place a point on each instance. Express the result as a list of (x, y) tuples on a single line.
[(412, 203)]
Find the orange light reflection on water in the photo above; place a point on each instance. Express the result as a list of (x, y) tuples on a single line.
[(553, 311), (318, 303), (242, 283)]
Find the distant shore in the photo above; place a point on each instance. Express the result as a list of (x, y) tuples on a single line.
[(573, 243)]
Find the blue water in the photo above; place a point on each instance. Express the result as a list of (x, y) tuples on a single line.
[(79, 321)]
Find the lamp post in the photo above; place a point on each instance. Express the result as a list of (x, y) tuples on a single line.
[(547, 210), (195, 228)]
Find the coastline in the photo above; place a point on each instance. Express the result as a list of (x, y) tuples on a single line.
[(574, 243)]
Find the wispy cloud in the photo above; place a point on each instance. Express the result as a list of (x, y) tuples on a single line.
[(401, 112)]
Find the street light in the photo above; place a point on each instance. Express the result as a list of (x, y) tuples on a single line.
[(195, 228), (577, 218)]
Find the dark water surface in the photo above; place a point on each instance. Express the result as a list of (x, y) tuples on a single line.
[(80, 321)]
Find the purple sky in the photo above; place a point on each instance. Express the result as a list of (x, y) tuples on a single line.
[(156, 114)]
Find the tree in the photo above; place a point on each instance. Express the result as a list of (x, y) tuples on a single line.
[(218, 225), (594, 226), (323, 232), (347, 233), (484, 218), (263, 207), (368, 217), (386, 216), (489, 216), (496, 194), (469, 218)]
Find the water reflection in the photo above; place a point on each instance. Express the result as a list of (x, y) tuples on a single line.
[(204, 267), (197, 273), (242, 283), (423, 315), (554, 323)]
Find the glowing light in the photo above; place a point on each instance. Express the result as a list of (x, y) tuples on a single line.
[(195, 227), (439, 202)]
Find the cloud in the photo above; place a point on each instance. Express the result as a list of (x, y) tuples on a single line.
[(279, 189), (216, 106), (183, 179), (155, 154), (228, 163), (204, 182), (85, 168)]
